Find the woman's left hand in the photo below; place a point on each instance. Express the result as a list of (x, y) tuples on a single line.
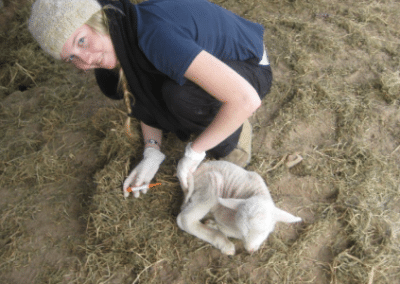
[(188, 163)]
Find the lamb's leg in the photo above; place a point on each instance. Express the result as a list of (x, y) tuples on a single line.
[(225, 220), (189, 221)]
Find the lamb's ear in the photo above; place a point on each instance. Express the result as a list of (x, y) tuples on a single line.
[(231, 203), (283, 216)]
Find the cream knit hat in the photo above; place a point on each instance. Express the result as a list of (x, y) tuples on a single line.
[(52, 22)]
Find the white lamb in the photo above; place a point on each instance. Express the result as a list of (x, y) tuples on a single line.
[(239, 201)]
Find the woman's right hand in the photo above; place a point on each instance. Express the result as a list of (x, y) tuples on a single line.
[(144, 172)]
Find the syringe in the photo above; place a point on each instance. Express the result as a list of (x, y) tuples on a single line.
[(146, 186)]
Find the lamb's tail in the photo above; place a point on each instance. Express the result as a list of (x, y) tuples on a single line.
[(190, 188)]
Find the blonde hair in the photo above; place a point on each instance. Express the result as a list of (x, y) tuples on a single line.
[(99, 23)]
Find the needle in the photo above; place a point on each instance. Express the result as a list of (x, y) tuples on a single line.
[(146, 186)]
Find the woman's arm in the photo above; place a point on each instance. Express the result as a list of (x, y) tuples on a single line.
[(145, 171), (240, 99), (151, 133)]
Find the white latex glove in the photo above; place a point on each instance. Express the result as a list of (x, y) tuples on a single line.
[(188, 163), (145, 171)]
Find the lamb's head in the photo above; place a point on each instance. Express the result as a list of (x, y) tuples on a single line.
[(255, 218)]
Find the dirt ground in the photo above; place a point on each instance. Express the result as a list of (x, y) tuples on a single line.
[(64, 155)]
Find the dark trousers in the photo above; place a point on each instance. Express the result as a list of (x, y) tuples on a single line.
[(195, 108)]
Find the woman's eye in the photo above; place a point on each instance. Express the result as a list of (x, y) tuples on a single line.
[(81, 41)]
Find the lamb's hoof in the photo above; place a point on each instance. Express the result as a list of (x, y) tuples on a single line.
[(211, 224), (252, 249), (228, 249)]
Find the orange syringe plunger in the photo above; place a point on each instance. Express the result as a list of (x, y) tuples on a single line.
[(146, 186)]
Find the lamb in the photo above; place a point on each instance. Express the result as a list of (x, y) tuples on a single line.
[(239, 201)]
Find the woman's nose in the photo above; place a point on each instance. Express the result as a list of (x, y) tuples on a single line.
[(87, 58)]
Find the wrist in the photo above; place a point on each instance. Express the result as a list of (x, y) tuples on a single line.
[(152, 143), (190, 153), (195, 147)]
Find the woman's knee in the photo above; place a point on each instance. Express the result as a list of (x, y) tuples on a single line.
[(266, 83)]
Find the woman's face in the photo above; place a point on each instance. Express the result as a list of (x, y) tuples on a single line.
[(88, 49)]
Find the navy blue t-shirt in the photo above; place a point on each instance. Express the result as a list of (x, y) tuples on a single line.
[(172, 33)]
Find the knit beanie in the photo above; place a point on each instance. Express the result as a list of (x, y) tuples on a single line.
[(52, 22)]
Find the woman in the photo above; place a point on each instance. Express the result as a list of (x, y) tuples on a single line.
[(185, 66)]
